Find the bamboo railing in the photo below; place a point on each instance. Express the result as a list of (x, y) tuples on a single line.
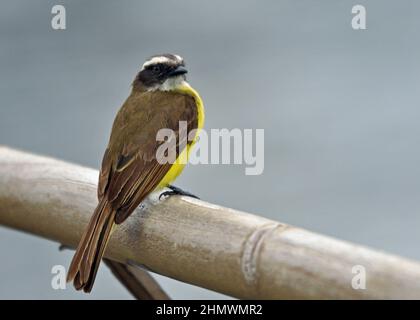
[(232, 252)]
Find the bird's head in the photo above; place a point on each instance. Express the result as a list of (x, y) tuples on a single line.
[(163, 72)]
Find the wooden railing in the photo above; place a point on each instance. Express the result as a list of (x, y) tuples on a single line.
[(235, 253)]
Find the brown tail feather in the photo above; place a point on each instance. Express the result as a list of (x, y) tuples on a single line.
[(85, 263), (81, 248)]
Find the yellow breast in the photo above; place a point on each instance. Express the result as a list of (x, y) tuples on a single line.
[(179, 164)]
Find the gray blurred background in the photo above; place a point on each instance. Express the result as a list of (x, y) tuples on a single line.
[(340, 109)]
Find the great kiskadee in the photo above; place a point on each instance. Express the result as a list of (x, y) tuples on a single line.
[(160, 98)]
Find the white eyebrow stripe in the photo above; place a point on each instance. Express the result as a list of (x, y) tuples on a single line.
[(156, 60)]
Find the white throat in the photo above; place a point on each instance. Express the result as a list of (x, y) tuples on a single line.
[(170, 84)]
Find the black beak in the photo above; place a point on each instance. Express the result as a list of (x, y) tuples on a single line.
[(177, 71)]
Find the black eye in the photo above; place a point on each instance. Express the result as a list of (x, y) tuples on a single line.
[(155, 68)]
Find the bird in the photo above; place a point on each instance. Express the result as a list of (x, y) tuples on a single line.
[(160, 98)]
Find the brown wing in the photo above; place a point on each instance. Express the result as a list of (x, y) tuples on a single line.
[(130, 169)]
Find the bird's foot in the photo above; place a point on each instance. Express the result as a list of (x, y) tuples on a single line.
[(176, 191)]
